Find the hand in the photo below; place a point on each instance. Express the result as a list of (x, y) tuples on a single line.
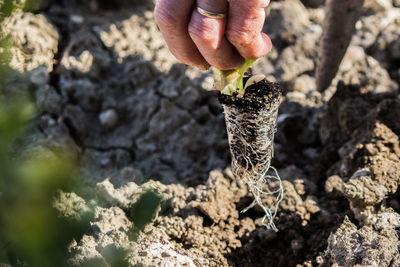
[(198, 40)]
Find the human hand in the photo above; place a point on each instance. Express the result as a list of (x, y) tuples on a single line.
[(201, 41)]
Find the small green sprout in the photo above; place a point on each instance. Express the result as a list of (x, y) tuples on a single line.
[(231, 81)]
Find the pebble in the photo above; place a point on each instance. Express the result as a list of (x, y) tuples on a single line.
[(108, 118), (77, 19)]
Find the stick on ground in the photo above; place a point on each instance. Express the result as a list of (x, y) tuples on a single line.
[(339, 25)]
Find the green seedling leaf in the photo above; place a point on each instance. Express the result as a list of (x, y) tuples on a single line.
[(228, 80), (231, 81)]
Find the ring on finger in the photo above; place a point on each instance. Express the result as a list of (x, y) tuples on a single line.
[(209, 14)]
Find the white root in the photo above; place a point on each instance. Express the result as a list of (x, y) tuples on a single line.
[(251, 138)]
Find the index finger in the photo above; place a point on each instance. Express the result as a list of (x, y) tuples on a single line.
[(244, 29)]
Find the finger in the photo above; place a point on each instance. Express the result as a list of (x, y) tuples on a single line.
[(215, 6), (208, 35), (172, 17), (244, 28)]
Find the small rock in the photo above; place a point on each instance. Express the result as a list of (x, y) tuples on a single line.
[(165, 254), (108, 118), (76, 19)]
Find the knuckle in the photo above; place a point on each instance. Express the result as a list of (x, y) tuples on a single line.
[(240, 38), (164, 18), (202, 32)]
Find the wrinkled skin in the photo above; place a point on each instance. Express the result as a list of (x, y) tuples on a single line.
[(201, 41)]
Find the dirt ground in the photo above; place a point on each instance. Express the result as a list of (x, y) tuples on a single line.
[(109, 90)]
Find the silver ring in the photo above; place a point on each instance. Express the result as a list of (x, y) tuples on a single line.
[(209, 14)]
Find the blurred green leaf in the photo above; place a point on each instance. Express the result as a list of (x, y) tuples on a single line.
[(35, 5), (13, 117), (114, 256), (31, 227), (7, 7), (32, 232), (145, 208)]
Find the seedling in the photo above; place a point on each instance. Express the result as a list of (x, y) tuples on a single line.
[(231, 81), (250, 115)]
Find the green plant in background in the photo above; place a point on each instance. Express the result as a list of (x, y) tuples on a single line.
[(32, 231), (7, 7), (27, 186)]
